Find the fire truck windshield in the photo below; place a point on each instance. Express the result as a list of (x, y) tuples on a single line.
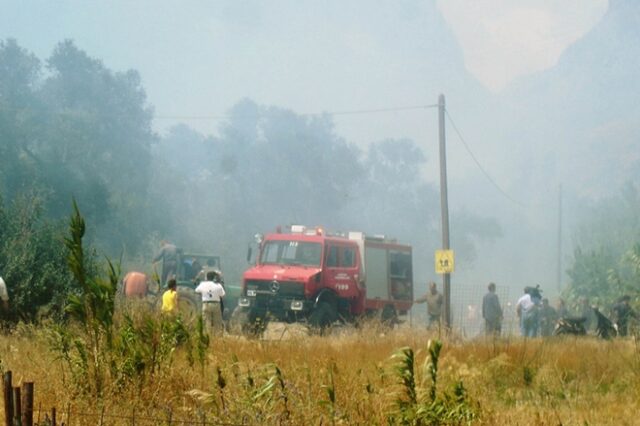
[(285, 252)]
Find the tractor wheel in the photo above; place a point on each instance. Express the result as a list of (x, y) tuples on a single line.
[(188, 304), (322, 317)]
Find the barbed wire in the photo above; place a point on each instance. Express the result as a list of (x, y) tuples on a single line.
[(67, 414)]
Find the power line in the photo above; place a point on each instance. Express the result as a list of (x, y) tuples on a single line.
[(486, 174), (331, 113)]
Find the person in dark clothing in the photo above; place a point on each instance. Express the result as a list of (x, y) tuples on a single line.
[(622, 312), (548, 317), (586, 311), (168, 254), (196, 267), (492, 312)]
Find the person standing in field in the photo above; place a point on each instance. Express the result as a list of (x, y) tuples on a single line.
[(168, 254), (170, 298), (492, 312), (434, 302), (622, 312), (135, 284), (527, 310), (4, 296), (212, 293), (585, 310)]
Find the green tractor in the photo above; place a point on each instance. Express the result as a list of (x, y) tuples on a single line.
[(192, 268)]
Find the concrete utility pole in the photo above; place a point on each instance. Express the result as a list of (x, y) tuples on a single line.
[(444, 205)]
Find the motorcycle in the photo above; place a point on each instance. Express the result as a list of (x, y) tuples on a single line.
[(605, 328)]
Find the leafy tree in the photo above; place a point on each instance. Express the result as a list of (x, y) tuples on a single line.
[(83, 131), (32, 260), (19, 73), (606, 257), (267, 166), (101, 134)]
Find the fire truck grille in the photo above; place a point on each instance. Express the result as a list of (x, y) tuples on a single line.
[(280, 288)]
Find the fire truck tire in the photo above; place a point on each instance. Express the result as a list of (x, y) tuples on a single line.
[(389, 316), (322, 317), (244, 322)]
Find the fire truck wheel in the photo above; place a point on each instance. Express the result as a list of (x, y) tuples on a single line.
[(388, 316), (244, 322), (322, 317)]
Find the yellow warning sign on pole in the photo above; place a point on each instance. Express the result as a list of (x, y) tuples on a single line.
[(444, 261)]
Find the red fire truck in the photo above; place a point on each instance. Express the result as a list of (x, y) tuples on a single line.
[(308, 275)]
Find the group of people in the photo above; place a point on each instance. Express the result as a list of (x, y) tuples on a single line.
[(536, 316), (212, 293), (210, 286)]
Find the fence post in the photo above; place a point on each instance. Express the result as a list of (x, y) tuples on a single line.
[(53, 416), (17, 406), (27, 404), (8, 399)]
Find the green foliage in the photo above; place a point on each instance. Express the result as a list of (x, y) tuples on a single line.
[(83, 130), (79, 130), (91, 349), (606, 261), (32, 260), (421, 405), (92, 307), (144, 346)]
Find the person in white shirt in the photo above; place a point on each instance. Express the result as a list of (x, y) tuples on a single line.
[(212, 293), (527, 310), (4, 295)]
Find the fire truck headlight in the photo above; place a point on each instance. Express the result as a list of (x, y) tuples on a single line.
[(251, 293), (296, 305), (244, 302)]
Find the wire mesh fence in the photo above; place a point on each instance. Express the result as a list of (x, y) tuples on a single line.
[(466, 310)]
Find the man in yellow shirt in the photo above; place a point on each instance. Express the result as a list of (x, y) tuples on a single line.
[(170, 298)]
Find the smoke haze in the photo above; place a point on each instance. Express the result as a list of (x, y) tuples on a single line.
[(244, 96)]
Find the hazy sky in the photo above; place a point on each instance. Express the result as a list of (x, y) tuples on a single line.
[(197, 58)]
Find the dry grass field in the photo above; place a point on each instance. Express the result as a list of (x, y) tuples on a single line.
[(350, 377)]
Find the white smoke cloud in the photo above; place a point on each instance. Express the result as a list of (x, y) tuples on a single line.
[(505, 39)]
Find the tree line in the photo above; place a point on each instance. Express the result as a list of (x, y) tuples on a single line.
[(71, 128)]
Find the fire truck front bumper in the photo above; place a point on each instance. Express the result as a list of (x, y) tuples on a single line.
[(273, 303)]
